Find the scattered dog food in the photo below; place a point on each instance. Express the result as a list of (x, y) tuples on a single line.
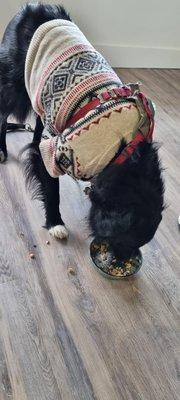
[(71, 271), (47, 242), (106, 263), (32, 255)]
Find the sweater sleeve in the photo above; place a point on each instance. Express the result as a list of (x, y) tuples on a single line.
[(48, 152)]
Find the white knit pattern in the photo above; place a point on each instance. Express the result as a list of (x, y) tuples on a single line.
[(49, 41)]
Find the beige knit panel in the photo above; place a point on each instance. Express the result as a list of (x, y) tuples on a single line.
[(96, 147)]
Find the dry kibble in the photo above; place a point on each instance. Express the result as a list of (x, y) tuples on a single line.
[(32, 255), (21, 234), (104, 257), (105, 261), (95, 247), (103, 248), (47, 242), (71, 271)]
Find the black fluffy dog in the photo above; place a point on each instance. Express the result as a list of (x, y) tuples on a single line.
[(127, 199)]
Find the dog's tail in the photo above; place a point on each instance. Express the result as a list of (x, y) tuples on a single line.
[(33, 170)]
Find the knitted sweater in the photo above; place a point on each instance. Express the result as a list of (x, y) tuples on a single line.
[(63, 75)]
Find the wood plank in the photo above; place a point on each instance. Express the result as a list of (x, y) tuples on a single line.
[(81, 336)]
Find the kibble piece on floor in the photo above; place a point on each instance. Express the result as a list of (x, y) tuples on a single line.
[(71, 271), (32, 255)]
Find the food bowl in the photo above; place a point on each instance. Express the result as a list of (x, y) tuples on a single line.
[(106, 263)]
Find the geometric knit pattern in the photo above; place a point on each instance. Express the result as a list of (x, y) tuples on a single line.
[(63, 74), (64, 152), (126, 115), (87, 147), (92, 117), (67, 76)]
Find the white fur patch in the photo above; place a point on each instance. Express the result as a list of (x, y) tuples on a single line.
[(59, 232), (2, 156)]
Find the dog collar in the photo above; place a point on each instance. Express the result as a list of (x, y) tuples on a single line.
[(149, 108), (116, 93)]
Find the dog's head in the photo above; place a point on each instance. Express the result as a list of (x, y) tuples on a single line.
[(127, 202)]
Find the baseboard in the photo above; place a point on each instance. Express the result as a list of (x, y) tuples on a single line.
[(140, 57)]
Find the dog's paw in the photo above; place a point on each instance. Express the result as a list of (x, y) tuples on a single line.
[(59, 232), (3, 156)]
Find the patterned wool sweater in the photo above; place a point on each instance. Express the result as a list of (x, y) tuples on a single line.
[(63, 75)]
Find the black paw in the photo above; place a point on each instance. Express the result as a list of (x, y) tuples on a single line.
[(3, 156)]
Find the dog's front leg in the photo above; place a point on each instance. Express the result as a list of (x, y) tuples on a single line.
[(54, 222), (43, 186)]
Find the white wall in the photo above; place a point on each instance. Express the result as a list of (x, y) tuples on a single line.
[(130, 33)]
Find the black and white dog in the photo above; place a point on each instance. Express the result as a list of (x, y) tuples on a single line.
[(127, 199)]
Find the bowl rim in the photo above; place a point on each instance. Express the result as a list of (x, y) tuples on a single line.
[(106, 275)]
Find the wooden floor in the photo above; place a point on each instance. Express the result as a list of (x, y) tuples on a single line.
[(82, 337)]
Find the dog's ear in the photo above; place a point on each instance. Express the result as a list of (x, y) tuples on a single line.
[(149, 167), (146, 154)]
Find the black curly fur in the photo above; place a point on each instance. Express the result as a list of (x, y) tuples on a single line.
[(41, 185), (32, 165), (127, 201)]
